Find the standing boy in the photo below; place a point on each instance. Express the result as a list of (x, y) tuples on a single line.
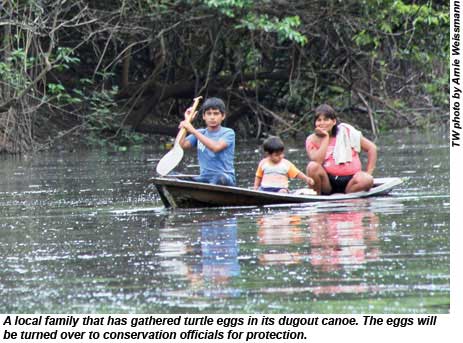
[(273, 171), (215, 144)]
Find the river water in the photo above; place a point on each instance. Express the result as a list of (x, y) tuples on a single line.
[(85, 232)]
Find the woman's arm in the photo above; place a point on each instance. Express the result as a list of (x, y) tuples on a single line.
[(322, 139), (370, 148)]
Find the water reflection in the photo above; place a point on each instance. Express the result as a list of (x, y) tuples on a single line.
[(219, 250), (329, 246), (209, 262), (83, 233), (344, 240), (279, 231), (336, 240)]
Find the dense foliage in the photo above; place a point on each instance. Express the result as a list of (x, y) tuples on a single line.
[(109, 70)]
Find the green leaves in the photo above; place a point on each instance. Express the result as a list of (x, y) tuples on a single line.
[(250, 18), (285, 28), (363, 38), (229, 7), (104, 119)]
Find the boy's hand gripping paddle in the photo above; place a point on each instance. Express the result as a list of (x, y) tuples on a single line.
[(175, 155)]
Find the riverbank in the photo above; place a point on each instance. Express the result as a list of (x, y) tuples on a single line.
[(54, 132)]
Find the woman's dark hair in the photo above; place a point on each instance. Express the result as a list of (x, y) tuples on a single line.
[(273, 144), (328, 112), (214, 103)]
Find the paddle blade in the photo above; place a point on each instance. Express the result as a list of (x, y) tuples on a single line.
[(170, 160)]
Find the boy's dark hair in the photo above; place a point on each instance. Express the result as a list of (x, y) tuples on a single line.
[(273, 144), (214, 103), (328, 112)]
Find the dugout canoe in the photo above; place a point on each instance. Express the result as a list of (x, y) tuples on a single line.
[(183, 193)]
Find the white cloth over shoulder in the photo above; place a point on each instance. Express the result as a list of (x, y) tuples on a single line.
[(347, 138)]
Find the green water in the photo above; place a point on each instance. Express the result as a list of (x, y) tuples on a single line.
[(86, 233)]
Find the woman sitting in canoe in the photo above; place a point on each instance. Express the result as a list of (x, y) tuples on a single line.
[(333, 150)]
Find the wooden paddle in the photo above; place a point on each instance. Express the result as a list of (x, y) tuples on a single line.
[(175, 155)]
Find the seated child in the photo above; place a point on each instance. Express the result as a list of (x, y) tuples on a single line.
[(273, 171), (215, 144)]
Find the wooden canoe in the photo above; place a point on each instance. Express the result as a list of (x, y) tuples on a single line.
[(178, 193)]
